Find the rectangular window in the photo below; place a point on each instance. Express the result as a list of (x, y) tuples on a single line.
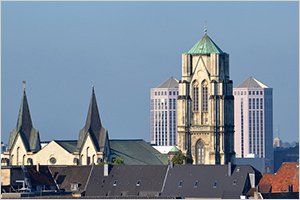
[(261, 103), (249, 92), (170, 93), (249, 103), (253, 104), (174, 103), (257, 103)]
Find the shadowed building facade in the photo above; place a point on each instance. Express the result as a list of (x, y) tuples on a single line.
[(205, 123)]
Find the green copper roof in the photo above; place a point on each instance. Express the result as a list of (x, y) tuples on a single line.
[(205, 46)]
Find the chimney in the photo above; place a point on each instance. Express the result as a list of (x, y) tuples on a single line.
[(229, 169), (105, 169), (38, 167), (252, 180)]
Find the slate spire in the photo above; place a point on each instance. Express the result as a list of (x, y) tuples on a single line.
[(93, 121), (205, 46), (24, 122), (93, 126), (24, 127)]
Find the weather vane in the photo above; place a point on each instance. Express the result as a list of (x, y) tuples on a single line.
[(205, 27), (24, 85)]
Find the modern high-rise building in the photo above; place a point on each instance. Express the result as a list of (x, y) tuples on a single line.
[(163, 116), (253, 117), (205, 105)]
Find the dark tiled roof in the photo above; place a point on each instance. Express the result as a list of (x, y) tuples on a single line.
[(288, 174), (69, 145), (207, 181), (24, 128), (41, 177), (93, 127), (137, 152), (65, 175), (127, 181)]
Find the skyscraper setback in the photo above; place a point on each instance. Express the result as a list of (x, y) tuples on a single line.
[(253, 116), (163, 116)]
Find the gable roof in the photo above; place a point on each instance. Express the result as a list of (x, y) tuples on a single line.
[(93, 127), (170, 83), (205, 46), (30, 136), (251, 82), (69, 145), (65, 175), (207, 181), (288, 174), (127, 181), (137, 152)]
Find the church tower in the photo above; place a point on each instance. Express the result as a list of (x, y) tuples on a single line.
[(205, 116)]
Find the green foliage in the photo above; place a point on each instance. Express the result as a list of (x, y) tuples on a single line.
[(180, 159), (118, 161)]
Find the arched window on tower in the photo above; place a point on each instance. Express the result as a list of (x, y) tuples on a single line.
[(204, 92), (195, 96), (200, 152)]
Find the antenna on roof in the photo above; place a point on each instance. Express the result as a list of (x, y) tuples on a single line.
[(24, 85), (205, 27)]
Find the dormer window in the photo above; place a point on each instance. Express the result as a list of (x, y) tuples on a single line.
[(215, 184), (196, 184), (138, 183), (115, 183), (180, 183)]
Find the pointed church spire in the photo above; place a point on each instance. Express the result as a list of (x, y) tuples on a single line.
[(24, 119), (24, 128), (93, 121), (93, 126)]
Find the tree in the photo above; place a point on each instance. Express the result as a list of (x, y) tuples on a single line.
[(180, 159), (118, 160)]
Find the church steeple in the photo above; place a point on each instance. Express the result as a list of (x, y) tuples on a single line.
[(24, 122), (93, 126), (24, 128), (93, 121)]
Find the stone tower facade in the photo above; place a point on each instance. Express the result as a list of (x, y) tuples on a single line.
[(205, 115)]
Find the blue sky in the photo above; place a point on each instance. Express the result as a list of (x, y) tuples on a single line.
[(124, 48)]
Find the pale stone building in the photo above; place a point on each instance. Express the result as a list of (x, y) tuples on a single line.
[(163, 118), (92, 147), (253, 117), (205, 105), (24, 147)]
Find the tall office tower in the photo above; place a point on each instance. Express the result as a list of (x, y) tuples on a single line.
[(205, 113), (163, 113), (253, 118)]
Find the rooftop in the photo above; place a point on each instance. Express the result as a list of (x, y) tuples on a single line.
[(251, 82), (205, 46)]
